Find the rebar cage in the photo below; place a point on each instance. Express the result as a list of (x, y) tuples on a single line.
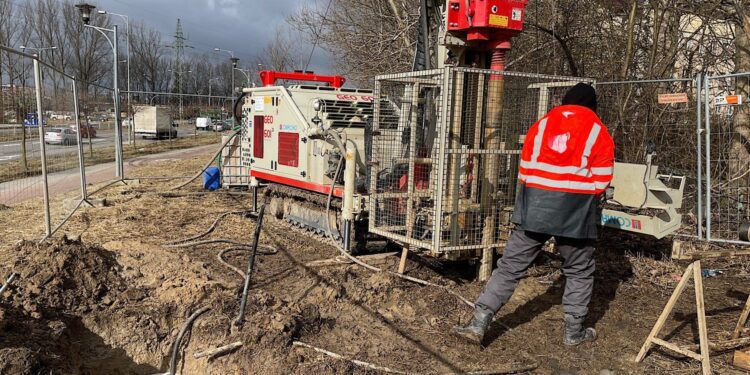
[(445, 153)]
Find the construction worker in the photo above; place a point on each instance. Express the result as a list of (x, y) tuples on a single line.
[(566, 165)]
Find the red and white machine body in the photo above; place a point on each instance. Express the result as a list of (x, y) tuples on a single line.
[(280, 129)]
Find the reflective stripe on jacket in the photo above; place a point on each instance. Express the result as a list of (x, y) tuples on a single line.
[(566, 163)]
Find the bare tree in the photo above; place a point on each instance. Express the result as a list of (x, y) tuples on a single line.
[(365, 37), (149, 60), (282, 53)]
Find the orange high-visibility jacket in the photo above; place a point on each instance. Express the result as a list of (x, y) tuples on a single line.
[(566, 164)]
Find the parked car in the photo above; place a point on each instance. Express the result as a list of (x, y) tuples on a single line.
[(61, 136), (127, 122), (87, 131), (228, 124), (60, 116)]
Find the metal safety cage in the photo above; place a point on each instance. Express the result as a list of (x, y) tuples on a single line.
[(446, 146)]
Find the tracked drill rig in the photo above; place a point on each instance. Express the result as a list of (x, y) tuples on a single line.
[(428, 159)]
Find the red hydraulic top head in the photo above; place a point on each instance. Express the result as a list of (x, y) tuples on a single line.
[(269, 77), (492, 23)]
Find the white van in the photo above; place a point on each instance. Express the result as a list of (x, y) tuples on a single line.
[(204, 123)]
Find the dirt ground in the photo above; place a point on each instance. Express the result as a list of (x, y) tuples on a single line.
[(106, 297)]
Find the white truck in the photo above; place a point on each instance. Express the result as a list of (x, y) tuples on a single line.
[(204, 123), (153, 122)]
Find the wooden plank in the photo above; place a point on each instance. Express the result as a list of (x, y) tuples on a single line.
[(722, 346), (665, 314), (743, 319), (741, 359), (677, 349), (342, 260), (701, 308)]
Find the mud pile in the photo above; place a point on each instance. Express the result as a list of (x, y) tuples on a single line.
[(40, 316)]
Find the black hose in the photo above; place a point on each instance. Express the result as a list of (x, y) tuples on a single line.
[(210, 229), (243, 302), (238, 116), (178, 341)]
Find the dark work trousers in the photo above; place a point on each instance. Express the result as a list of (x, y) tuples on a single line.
[(521, 250)]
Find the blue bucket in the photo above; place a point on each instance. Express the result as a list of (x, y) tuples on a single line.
[(212, 178)]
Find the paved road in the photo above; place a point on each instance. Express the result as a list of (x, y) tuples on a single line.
[(11, 150)]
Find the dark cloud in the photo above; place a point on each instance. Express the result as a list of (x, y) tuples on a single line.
[(243, 26)]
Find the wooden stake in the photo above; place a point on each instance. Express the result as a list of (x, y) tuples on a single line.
[(402, 262), (665, 314), (213, 353), (701, 308), (743, 319), (694, 271)]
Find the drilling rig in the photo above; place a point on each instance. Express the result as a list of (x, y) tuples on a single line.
[(428, 160)]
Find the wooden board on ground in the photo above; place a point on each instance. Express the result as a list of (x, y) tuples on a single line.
[(742, 359)]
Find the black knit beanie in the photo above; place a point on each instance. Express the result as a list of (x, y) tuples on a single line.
[(581, 94)]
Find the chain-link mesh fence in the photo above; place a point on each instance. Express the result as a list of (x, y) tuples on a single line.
[(727, 147), (657, 116), (54, 137), (20, 164)]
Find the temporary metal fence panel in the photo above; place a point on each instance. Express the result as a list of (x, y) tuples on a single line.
[(658, 116), (445, 156), (20, 164), (40, 136), (727, 151)]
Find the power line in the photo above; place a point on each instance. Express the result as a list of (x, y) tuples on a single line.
[(317, 35)]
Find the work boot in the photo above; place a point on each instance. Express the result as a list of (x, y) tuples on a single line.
[(574, 333), (474, 331)]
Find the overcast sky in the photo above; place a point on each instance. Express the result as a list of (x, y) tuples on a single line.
[(243, 26)]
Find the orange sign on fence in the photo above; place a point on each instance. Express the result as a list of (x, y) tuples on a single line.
[(728, 100), (680, 97)]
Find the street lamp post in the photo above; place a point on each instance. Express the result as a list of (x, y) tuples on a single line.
[(234, 61), (38, 50), (85, 10), (209, 91), (245, 72), (127, 41)]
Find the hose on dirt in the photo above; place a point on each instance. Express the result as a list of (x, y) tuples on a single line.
[(238, 246), (341, 145), (211, 161), (178, 341), (210, 228), (270, 250), (220, 257)]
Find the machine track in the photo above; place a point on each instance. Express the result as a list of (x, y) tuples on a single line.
[(305, 212)]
